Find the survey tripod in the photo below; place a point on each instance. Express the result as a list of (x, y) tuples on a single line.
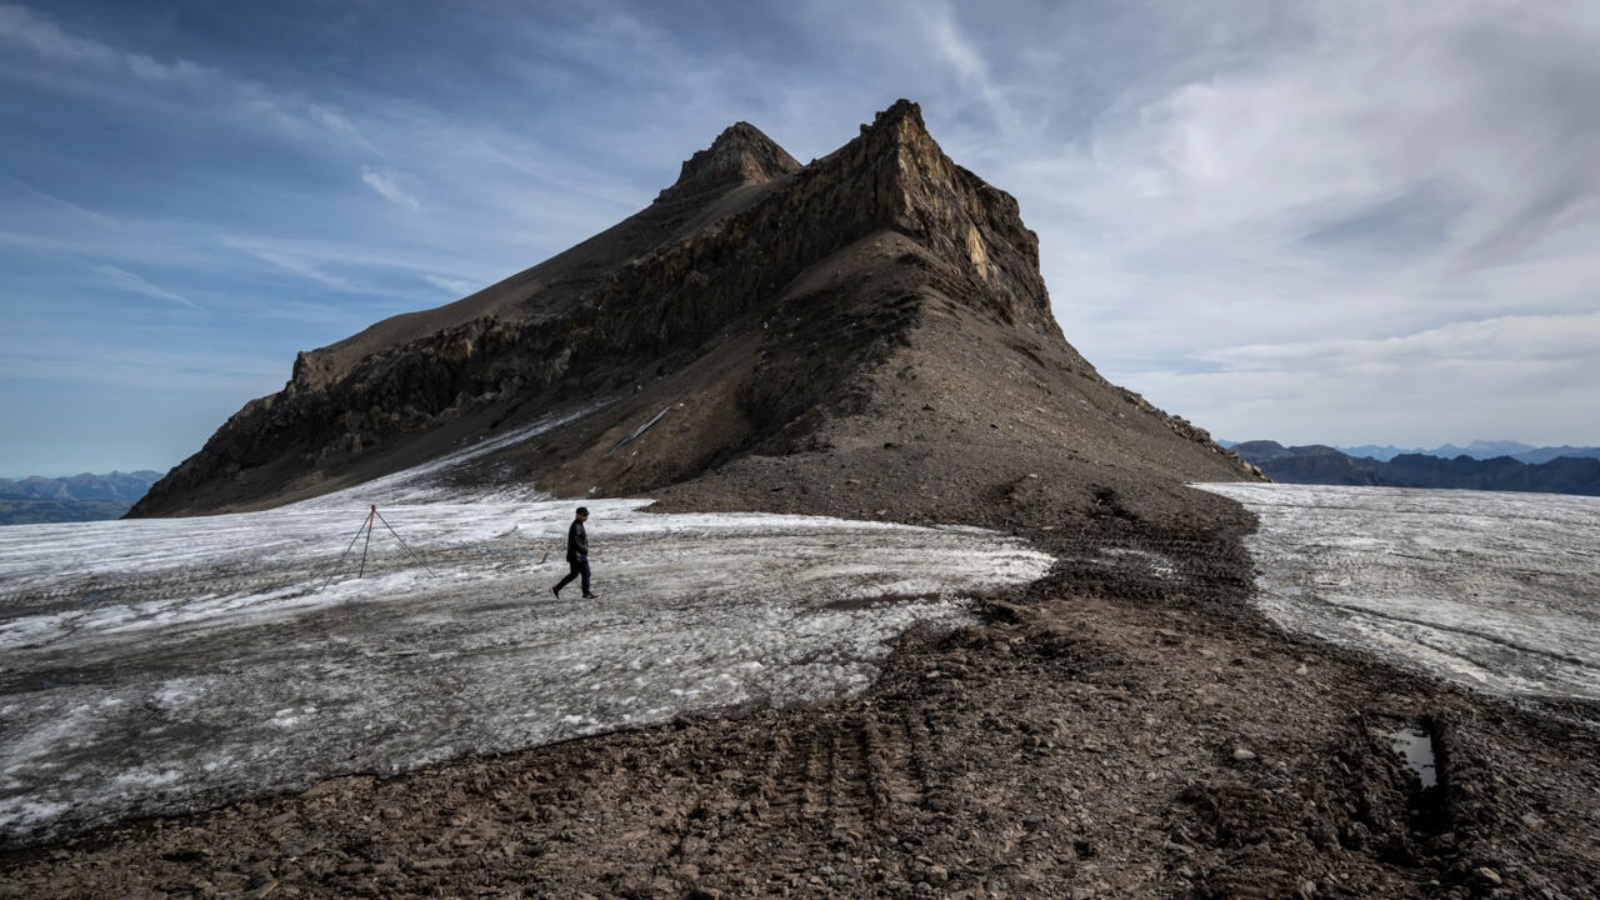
[(366, 529)]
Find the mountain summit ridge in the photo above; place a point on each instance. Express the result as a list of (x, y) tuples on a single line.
[(756, 305), (741, 155)]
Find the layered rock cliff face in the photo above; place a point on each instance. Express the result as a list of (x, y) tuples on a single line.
[(753, 309)]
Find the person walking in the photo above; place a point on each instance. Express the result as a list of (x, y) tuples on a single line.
[(577, 555)]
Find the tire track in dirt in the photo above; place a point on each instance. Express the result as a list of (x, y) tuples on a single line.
[(849, 799), (848, 774), (891, 777)]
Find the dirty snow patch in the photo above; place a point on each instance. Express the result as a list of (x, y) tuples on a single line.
[(162, 666), (1496, 591)]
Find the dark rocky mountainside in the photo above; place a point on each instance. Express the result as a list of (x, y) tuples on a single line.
[(880, 308), (1316, 464)]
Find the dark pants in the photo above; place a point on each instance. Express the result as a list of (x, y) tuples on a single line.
[(580, 566)]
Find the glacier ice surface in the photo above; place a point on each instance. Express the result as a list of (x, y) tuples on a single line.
[(161, 666), (1496, 591)]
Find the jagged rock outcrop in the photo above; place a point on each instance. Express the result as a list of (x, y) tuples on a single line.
[(754, 305), (740, 156)]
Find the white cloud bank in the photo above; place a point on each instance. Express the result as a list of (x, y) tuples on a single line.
[(1377, 207)]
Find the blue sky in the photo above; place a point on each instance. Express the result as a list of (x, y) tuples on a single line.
[(1352, 221)]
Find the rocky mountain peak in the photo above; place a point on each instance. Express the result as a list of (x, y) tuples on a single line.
[(918, 191), (902, 120), (769, 310), (741, 155)]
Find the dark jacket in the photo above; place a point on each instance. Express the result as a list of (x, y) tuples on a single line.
[(577, 542)]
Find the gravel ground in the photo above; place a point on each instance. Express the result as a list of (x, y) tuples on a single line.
[(1127, 726)]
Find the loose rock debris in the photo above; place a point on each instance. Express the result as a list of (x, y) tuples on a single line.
[(1072, 746), (1079, 741)]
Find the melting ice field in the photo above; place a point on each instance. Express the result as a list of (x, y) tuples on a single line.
[(1497, 591), (163, 666)]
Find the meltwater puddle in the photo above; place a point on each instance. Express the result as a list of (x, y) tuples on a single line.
[(1415, 745)]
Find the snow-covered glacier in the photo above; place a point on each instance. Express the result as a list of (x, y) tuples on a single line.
[(160, 666), (1497, 591)]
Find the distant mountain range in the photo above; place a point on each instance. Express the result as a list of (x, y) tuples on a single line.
[(1476, 450), (1549, 470), (80, 498)]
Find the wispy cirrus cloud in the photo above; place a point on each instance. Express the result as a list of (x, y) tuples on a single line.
[(1513, 340), (67, 205), (154, 368), (24, 28), (289, 260), (455, 287), (339, 124), (131, 283), (385, 182)]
